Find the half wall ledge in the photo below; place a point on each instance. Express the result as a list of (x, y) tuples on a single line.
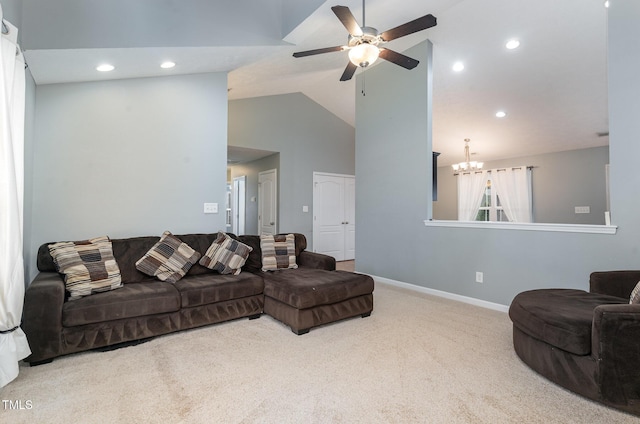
[(562, 228)]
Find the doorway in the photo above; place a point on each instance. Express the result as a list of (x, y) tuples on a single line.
[(268, 202), (239, 204), (334, 224)]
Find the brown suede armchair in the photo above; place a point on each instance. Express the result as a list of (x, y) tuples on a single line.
[(587, 342)]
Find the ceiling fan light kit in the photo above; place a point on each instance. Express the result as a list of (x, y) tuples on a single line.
[(364, 54), (363, 43)]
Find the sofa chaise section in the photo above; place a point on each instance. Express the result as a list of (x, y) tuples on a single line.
[(305, 298)]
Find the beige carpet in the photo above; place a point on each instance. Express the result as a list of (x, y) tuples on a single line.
[(417, 359)]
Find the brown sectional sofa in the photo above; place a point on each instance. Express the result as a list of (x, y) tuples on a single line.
[(146, 307), (587, 342)]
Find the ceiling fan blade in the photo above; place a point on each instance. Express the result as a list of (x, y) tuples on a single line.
[(416, 25), (348, 72), (399, 59), (319, 51), (348, 20)]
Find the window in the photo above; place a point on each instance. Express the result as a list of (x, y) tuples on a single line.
[(497, 195), (491, 208)]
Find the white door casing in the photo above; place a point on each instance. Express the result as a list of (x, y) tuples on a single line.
[(350, 218), (238, 205), (268, 202)]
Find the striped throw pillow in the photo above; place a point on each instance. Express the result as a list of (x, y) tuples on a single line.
[(169, 259), (635, 295), (278, 252), (88, 266), (226, 255)]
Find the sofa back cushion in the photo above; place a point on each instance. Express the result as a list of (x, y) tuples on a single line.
[(128, 251)]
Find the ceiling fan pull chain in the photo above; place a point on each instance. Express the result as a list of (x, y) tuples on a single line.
[(364, 88)]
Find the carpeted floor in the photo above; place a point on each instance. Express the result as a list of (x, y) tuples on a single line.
[(416, 359)]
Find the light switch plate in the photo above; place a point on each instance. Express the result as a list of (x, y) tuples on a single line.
[(305, 208), (210, 208)]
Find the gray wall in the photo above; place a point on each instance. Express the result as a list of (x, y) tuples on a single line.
[(308, 137), (512, 261), (12, 12), (560, 181), (128, 158), (393, 167), (251, 171)]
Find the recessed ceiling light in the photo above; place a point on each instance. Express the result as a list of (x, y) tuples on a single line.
[(513, 44), (167, 65), (606, 3), (105, 68), (458, 66), (501, 114)]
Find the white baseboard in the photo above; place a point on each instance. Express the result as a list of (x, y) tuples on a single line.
[(446, 295)]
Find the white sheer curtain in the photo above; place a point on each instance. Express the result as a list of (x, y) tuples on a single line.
[(471, 186), (13, 342), (513, 185)]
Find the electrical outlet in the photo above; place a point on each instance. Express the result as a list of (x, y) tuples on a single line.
[(582, 209), (479, 277), (210, 208)]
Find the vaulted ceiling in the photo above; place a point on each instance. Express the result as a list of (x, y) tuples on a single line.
[(553, 88)]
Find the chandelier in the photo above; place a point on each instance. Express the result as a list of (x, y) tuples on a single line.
[(468, 164)]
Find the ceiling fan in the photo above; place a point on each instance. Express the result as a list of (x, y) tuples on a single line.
[(364, 42)]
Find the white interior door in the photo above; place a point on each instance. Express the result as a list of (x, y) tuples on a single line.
[(334, 215), (328, 201), (268, 202)]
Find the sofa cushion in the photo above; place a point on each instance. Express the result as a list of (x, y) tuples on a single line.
[(635, 295), (132, 300), (88, 266), (169, 259), (559, 317), (278, 251), (226, 255), (306, 287), (211, 288), (254, 261)]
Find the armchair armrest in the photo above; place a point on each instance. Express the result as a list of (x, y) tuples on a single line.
[(614, 283), (616, 349), (42, 316), (316, 260)]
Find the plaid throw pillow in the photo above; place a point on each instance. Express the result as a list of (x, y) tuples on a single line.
[(278, 252), (635, 294), (226, 255), (169, 259), (88, 266)]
